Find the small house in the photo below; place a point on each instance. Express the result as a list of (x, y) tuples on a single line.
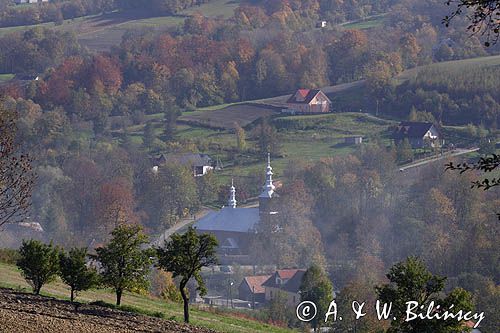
[(200, 163), (321, 24), (251, 288), (306, 101), (286, 282), (418, 134)]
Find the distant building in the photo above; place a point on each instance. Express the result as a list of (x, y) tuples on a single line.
[(308, 101), (419, 134), (321, 24), (285, 281), (232, 225), (200, 163), (27, 77), (353, 140), (251, 288), (19, 2)]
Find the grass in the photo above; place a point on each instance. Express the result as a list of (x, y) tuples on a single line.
[(10, 277), (325, 138), (6, 77), (100, 32), (455, 65), (368, 23), (372, 22)]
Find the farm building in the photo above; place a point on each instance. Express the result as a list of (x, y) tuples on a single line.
[(419, 134), (232, 225), (252, 289), (200, 163), (321, 24), (353, 140), (285, 281), (308, 101)]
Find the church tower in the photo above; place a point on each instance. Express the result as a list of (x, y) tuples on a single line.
[(232, 196), (267, 191)]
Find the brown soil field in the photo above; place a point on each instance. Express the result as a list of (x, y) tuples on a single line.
[(27, 313), (243, 114)]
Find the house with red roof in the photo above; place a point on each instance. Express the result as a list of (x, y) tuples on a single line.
[(308, 101), (252, 289), (286, 282)]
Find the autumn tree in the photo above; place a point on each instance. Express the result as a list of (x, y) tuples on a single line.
[(411, 281), (168, 194), (268, 140), (171, 113), (16, 175), (125, 264), (149, 136), (184, 256), (241, 143), (317, 288), (115, 205), (38, 262), (74, 271), (404, 151)]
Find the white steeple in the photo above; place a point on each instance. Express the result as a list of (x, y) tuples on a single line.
[(232, 196), (269, 187)]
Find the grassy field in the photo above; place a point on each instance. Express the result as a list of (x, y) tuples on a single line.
[(455, 65), (367, 23), (6, 77), (100, 32), (323, 136), (11, 278)]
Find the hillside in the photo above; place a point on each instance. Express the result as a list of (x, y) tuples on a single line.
[(10, 277), (21, 312), (100, 32)]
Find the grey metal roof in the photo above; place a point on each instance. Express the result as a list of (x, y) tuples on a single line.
[(230, 219), (192, 159)]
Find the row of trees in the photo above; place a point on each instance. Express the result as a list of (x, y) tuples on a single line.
[(123, 264)]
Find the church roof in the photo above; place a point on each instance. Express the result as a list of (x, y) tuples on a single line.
[(230, 219)]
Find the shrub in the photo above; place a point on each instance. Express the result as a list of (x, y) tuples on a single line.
[(39, 263), (9, 256)]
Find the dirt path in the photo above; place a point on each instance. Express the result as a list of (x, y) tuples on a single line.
[(26, 313)]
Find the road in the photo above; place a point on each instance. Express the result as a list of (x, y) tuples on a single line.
[(456, 152), (179, 225)]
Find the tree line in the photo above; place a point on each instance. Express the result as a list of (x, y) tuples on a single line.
[(122, 265)]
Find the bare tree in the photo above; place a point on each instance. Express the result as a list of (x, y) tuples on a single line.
[(16, 175), (484, 17)]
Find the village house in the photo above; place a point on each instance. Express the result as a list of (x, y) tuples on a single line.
[(418, 134), (308, 101), (251, 289), (200, 163), (233, 226), (19, 2), (284, 281)]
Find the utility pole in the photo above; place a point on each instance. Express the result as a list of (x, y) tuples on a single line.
[(253, 297)]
